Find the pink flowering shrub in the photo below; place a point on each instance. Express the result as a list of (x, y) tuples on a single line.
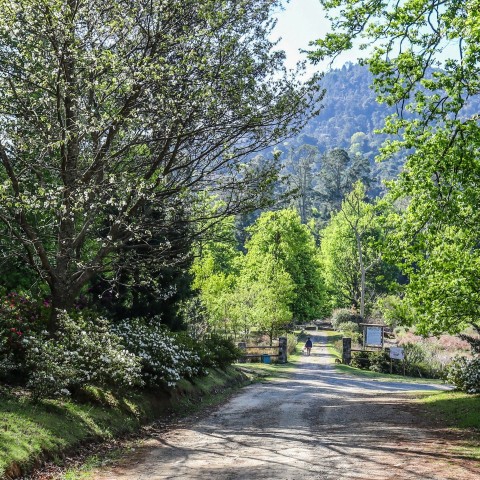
[(20, 316)]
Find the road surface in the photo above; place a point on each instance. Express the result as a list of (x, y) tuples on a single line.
[(315, 424)]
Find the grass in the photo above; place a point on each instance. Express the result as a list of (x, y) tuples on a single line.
[(30, 431), (333, 337), (459, 411), (456, 409)]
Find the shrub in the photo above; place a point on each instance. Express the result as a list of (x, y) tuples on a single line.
[(222, 351), (344, 315), (464, 373), (75, 358), (361, 360), (165, 359), (292, 341), (20, 316), (352, 330)]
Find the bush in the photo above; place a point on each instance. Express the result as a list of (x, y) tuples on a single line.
[(222, 351), (361, 360), (352, 330), (20, 316), (464, 373), (75, 358), (165, 359), (373, 361), (292, 341), (344, 315)]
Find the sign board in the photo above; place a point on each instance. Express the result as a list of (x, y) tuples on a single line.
[(397, 353), (374, 336)]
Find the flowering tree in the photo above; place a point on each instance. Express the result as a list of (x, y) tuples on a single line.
[(117, 116)]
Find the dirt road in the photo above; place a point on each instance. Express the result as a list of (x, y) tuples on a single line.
[(316, 424)]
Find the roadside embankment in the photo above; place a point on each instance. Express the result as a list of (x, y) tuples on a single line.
[(32, 433)]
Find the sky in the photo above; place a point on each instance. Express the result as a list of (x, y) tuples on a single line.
[(304, 20), (301, 22)]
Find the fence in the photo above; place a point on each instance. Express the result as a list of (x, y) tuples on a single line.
[(277, 351)]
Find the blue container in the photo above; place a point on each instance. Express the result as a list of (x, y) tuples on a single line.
[(265, 358)]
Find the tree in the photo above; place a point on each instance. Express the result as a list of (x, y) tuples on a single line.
[(299, 176), (354, 269), (336, 178), (274, 294), (215, 271), (433, 90), (292, 246), (117, 114)]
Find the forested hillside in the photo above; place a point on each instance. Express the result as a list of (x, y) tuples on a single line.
[(349, 117)]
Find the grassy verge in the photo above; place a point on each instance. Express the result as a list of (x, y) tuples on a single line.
[(333, 337), (31, 432), (459, 411), (385, 377)]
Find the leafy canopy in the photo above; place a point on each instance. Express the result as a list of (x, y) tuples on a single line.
[(432, 87)]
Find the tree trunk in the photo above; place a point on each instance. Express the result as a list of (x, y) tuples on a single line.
[(62, 299), (362, 276)]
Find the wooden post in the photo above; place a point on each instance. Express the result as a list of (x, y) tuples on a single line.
[(243, 346), (282, 350), (347, 350)]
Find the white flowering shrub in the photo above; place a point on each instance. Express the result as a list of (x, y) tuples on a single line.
[(165, 359), (85, 352), (464, 373)]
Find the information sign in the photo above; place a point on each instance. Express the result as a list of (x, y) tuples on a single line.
[(397, 353), (374, 336)]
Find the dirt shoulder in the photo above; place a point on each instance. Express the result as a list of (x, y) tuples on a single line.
[(316, 423)]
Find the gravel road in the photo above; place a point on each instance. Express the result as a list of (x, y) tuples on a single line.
[(315, 424)]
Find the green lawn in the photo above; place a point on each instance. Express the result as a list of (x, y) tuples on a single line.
[(27, 429)]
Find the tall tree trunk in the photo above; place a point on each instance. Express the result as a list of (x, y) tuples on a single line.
[(362, 275)]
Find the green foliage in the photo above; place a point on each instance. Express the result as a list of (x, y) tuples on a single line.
[(352, 244), (292, 341), (464, 373), (290, 245), (436, 128), (86, 353), (222, 351), (395, 311), (337, 177), (344, 315), (119, 119), (416, 362)]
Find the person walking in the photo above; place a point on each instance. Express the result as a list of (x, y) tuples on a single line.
[(308, 345)]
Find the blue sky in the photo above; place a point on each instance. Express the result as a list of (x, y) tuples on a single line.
[(301, 22)]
